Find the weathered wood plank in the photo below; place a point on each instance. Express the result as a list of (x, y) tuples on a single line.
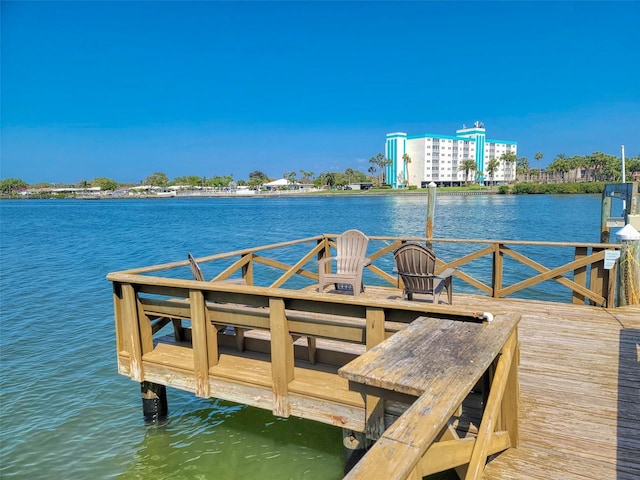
[(281, 356), (374, 405), (412, 360), (493, 408), (132, 339), (201, 349)]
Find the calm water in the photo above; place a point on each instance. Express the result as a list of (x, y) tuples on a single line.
[(66, 413)]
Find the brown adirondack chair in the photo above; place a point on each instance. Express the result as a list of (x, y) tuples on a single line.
[(350, 261), (416, 265)]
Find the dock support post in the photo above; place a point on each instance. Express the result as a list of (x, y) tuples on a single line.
[(605, 213), (154, 401), (431, 207), (354, 448)]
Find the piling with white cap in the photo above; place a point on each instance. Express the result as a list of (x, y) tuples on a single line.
[(629, 271), (431, 208)]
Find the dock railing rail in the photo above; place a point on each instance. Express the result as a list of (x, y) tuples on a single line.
[(578, 273)]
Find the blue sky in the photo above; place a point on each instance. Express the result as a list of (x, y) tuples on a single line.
[(124, 89)]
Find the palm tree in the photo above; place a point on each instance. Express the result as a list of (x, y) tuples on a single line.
[(375, 161), (329, 178), (307, 176), (522, 168), (508, 158), (290, 176), (468, 165), (538, 157), (405, 173), (385, 162), (372, 171), (492, 168), (559, 167)]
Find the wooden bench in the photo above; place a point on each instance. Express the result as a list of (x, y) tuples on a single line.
[(439, 362), (303, 381)]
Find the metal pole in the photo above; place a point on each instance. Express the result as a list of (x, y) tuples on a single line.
[(431, 207), (623, 174), (624, 198)]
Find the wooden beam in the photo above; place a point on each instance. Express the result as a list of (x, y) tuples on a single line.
[(132, 332), (599, 278), (580, 275), (118, 316), (247, 271), (281, 356), (200, 342), (297, 268), (382, 274), (492, 409), (146, 330), (448, 454), (498, 268), (233, 268), (610, 293), (510, 411), (554, 274), (374, 406)]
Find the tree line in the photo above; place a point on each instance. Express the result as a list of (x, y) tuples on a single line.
[(597, 167)]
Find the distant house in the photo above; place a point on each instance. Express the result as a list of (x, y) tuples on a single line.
[(359, 186), (281, 183)]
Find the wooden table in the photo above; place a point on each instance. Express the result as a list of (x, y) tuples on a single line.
[(438, 361)]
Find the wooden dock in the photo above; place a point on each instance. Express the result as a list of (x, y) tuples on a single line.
[(579, 392), (295, 352), (579, 405)]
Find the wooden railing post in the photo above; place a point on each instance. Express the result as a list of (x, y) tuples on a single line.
[(282, 366), (131, 327), (605, 213), (325, 252), (599, 277), (374, 406), (204, 346), (118, 316), (498, 266), (431, 206), (509, 407), (247, 270), (494, 407), (580, 275)]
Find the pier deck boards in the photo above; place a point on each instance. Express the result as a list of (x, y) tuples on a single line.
[(579, 391), (579, 396)]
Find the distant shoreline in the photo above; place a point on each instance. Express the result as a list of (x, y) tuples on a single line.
[(422, 192), (570, 188)]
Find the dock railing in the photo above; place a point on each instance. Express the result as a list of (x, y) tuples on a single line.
[(579, 273), (286, 371)]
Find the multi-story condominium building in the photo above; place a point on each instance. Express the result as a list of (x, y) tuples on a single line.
[(438, 158)]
